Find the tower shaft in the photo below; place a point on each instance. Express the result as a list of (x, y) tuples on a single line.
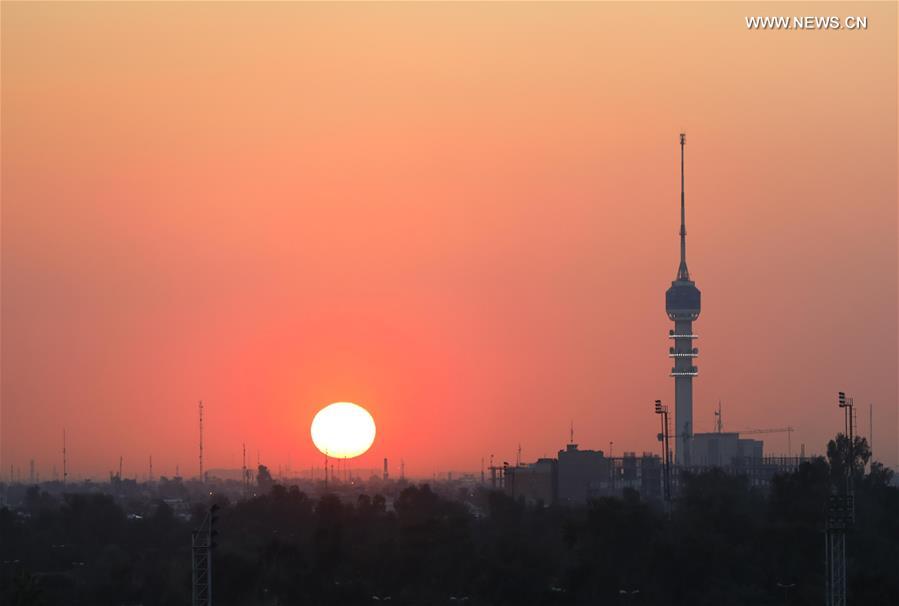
[(683, 372)]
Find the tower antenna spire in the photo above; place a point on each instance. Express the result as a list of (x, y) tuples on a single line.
[(682, 273)]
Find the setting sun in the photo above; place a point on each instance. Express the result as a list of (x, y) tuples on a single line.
[(343, 430)]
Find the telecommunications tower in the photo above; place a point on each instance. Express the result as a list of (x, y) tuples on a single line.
[(682, 305)]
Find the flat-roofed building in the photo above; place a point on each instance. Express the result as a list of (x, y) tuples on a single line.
[(582, 473), (724, 449), (535, 482)]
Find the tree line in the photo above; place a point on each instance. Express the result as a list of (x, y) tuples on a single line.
[(723, 542)]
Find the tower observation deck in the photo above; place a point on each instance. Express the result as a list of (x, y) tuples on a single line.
[(682, 302)]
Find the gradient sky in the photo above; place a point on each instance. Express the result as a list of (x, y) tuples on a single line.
[(461, 216)]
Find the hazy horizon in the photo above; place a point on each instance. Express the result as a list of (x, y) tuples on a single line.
[(462, 217)]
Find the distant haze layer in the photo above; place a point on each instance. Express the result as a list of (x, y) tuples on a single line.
[(461, 216)]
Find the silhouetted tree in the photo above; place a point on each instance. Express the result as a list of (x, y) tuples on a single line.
[(263, 479), (25, 591), (726, 542), (841, 455)]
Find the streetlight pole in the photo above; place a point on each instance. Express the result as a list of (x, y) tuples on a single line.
[(662, 411), (612, 466)]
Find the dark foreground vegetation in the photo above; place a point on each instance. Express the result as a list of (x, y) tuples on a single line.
[(724, 543)]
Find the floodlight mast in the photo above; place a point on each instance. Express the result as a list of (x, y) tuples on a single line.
[(666, 454), (840, 515), (202, 545)]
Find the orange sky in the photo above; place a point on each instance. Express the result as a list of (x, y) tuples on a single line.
[(461, 216)]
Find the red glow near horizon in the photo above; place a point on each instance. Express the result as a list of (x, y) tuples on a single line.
[(464, 216)]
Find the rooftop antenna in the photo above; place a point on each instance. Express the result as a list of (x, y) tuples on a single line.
[(201, 440), (719, 423), (571, 433), (150, 475), (682, 273), (518, 456), (65, 468)]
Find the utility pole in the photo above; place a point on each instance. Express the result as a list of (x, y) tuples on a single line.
[(611, 466), (871, 429), (65, 469), (245, 473)]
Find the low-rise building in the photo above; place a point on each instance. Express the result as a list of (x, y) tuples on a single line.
[(724, 449), (535, 482), (582, 473)]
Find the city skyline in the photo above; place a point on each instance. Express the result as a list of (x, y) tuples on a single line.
[(408, 235)]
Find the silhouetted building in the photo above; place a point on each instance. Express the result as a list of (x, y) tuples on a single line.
[(629, 467), (724, 449), (535, 482), (682, 302), (582, 473), (650, 476)]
